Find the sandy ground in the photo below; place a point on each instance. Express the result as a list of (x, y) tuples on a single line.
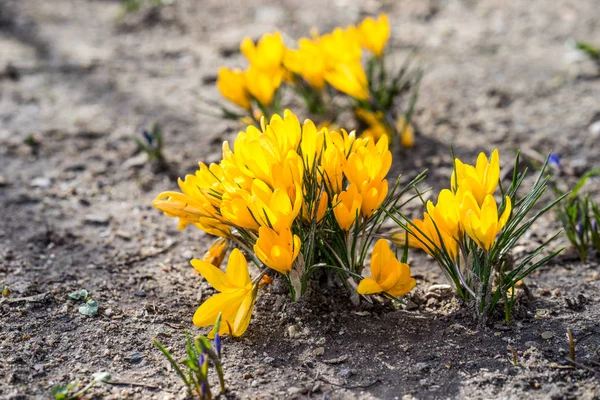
[(79, 80)]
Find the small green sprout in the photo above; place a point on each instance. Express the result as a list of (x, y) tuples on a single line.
[(68, 391), (90, 307), (200, 352), (579, 214)]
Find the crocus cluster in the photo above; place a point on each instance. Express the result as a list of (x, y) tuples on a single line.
[(316, 68), (468, 208), (471, 235), (295, 199)]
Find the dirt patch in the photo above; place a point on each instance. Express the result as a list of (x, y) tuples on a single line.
[(77, 80)]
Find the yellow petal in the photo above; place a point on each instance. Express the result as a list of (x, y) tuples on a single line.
[(369, 286), (237, 269), (213, 275)]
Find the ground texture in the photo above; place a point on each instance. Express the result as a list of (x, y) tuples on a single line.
[(77, 79)]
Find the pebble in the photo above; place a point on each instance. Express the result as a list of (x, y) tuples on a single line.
[(295, 390), (594, 128), (139, 293), (136, 161), (135, 358), (410, 305), (96, 219), (547, 335), (346, 373), (293, 331), (41, 182), (319, 351), (108, 312), (3, 181)]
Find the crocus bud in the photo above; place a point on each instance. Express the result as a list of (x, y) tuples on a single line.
[(218, 343), (579, 229), (554, 159), (147, 136)]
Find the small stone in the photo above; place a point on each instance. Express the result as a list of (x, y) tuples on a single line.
[(346, 373), (268, 360), (41, 182), (410, 305), (96, 219), (594, 128), (108, 312), (254, 383), (432, 302), (547, 335), (319, 351), (123, 235), (137, 161), (422, 367), (295, 390), (3, 181), (135, 358), (441, 288), (139, 293), (293, 331)]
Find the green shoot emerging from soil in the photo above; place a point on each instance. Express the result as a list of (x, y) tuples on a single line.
[(194, 369), (579, 215)]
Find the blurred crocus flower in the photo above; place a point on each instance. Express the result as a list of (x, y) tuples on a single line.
[(594, 225), (554, 159), (147, 136), (579, 229)]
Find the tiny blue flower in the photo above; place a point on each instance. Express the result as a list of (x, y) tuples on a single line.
[(218, 343), (579, 229), (147, 136), (554, 159), (594, 225), (203, 388)]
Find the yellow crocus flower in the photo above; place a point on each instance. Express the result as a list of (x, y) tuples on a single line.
[(446, 213), (267, 54), (426, 237), (311, 144), (286, 132), (235, 208), (308, 62), (277, 250), (374, 34), (369, 163), (387, 273), (373, 194), (262, 84), (192, 207), (275, 208), (332, 168), (482, 224), (349, 78), (406, 132), (346, 207), (481, 179), (216, 252), (235, 300), (232, 85)]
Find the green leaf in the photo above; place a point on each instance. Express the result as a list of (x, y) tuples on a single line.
[(80, 294), (90, 308)]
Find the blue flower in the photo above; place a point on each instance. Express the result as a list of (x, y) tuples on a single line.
[(554, 159), (147, 136)]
